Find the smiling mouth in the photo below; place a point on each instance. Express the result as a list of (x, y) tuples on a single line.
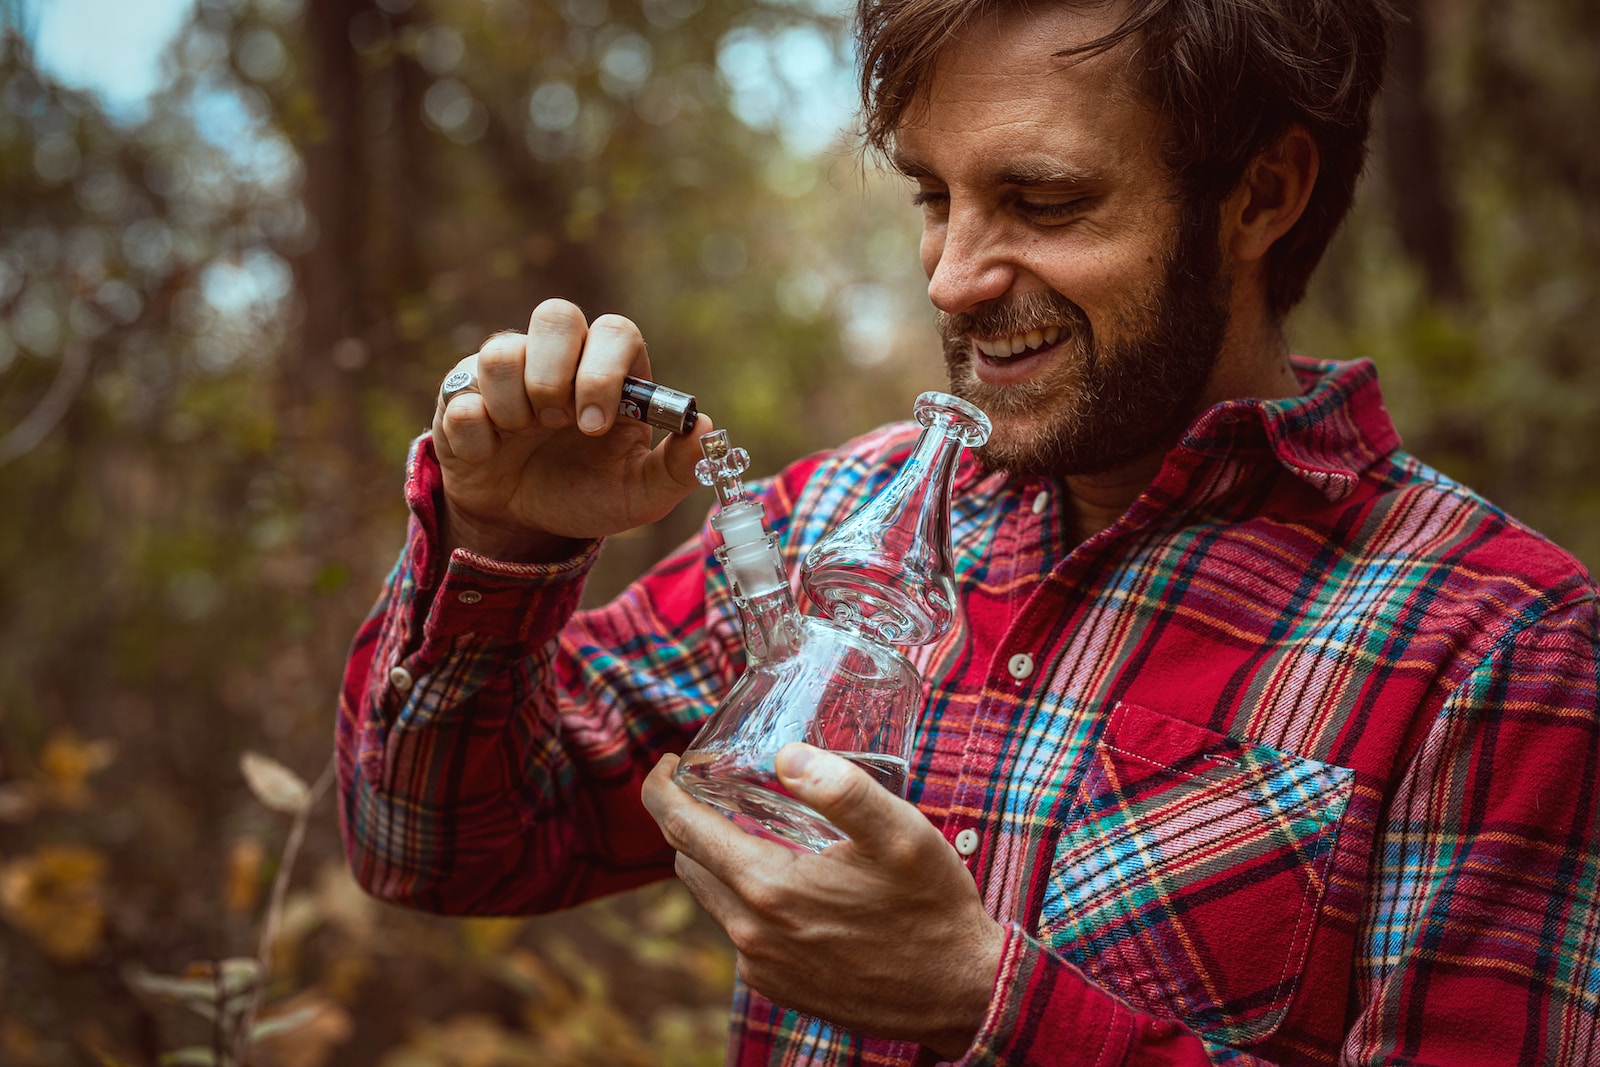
[(1018, 346)]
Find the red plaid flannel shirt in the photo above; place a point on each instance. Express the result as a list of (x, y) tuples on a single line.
[(1298, 761)]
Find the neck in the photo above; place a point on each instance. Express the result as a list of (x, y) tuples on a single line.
[(1254, 362)]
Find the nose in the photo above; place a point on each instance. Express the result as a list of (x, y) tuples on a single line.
[(966, 262)]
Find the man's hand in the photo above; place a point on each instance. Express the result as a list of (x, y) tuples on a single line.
[(883, 934), (538, 456)]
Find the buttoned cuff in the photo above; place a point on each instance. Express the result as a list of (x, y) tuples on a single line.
[(469, 594)]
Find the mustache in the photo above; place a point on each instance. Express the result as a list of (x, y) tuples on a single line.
[(1017, 315)]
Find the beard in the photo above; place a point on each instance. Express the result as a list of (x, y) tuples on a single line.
[(1101, 403)]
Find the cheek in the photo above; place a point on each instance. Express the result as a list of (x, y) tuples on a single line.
[(1101, 281)]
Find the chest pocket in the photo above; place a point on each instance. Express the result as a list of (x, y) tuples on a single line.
[(1190, 872)]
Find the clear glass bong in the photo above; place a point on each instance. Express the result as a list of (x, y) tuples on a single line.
[(884, 578)]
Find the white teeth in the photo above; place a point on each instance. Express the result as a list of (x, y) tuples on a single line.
[(1001, 348)]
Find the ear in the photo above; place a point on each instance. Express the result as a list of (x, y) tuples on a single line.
[(1271, 196)]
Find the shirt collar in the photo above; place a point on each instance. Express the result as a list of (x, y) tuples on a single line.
[(1328, 436)]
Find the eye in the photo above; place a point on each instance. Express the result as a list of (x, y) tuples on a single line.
[(934, 201), (1048, 211)]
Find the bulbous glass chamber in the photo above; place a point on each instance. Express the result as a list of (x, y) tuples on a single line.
[(885, 578)]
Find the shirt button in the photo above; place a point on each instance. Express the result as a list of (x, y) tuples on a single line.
[(1041, 502), (967, 841), (401, 679), (1021, 666), (469, 596)]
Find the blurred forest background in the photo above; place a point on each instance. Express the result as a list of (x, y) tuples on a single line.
[(223, 318)]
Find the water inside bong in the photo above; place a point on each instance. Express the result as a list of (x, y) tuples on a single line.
[(758, 802)]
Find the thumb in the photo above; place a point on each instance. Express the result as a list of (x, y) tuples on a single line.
[(669, 469), (840, 792), (681, 451)]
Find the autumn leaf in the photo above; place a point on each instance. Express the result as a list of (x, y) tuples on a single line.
[(243, 886), (274, 785), (66, 764), (56, 897)]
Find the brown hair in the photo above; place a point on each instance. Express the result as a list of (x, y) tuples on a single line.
[(1229, 76)]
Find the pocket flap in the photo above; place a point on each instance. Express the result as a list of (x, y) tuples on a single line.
[(1190, 871)]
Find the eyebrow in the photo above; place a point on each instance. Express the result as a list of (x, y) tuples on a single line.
[(1034, 171)]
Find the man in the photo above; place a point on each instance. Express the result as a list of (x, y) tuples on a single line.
[(1261, 738)]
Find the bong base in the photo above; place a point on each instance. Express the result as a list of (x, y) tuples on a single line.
[(757, 804)]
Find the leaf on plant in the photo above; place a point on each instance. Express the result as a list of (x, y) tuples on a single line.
[(274, 785), (282, 1024), (203, 986), (193, 1056), (302, 1031), (236, 975)]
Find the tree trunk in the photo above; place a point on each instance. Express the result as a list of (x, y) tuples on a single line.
[(1422, 197)]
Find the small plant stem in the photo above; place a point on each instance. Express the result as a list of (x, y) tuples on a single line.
[(274, 915)]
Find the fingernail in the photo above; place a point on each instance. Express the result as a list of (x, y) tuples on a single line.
[(591, 418), (794, 759), (552, 417)]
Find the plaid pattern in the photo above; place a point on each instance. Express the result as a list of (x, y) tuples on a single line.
[(1306, 768)]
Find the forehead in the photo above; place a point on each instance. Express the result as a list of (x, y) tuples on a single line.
[(1001, 93)]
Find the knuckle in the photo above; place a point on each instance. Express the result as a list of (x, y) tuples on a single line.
[(745, 936), (617, 327), (846, 789), (746, 970), (557, 316), (762, 897), (501, 356), (675, 828), (904, 854), (464, 414)]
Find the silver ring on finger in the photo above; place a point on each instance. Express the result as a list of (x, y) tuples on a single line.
[(456, 383)]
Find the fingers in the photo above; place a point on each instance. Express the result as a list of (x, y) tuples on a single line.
[(670, 476), (461, 429), (700, 832), (500, 378), (574, 369), (877, 822), (615, 349), (556, 333)]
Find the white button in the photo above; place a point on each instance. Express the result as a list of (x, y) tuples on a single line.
[(1041, 502), (1021, 666), (401, 679), (967, 842), (469, 596)]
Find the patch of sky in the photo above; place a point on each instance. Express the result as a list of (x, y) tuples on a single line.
[(110, 47), (793, 80)]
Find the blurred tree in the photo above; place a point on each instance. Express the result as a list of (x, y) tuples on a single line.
[(222, 324), (1470, 267)]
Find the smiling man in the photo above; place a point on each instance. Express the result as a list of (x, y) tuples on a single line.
[(1261, 738)]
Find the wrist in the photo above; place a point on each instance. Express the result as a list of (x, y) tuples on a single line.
[(506, 544), (971, 993)]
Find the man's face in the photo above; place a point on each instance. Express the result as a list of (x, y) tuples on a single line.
[(1072, 310)]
